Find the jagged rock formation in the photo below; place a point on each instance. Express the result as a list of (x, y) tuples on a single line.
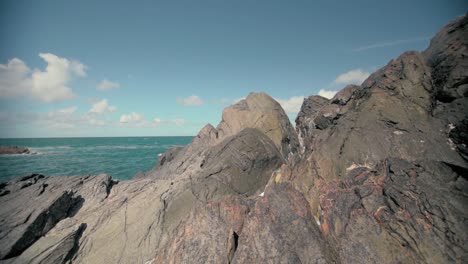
[(377, 174)]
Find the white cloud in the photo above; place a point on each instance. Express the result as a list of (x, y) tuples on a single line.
[(67, 111), (14, 80), (291, 105), (238, 100), (131, 118), (66, 118), (102, 107), (137, 120), (72, 122), (326, 93), (177, 121), (391, 43), (356, 76), (106, 85), (221, 101), (94, 121), (56, 119), (193, 100), (17, 79)]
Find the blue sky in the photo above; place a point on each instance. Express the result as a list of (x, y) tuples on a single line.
[(162, 68)]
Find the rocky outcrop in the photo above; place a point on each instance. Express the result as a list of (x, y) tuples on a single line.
[(33, 205), (447, 57), (257, 111), (376, 174), (385, 179), (10, 150)]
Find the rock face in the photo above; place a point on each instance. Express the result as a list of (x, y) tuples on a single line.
[(377, 174)]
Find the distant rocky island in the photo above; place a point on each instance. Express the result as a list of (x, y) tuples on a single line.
[(377, 174), (10, 150)]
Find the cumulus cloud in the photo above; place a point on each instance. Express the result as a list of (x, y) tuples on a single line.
[(238, 100), (221, 101), (57, 119), (137, 120), (14, 80), (193, 100), (102, 107), (176, 121), (67, 118), (131, 118), (50, 84), (95, 121), (391, 43), (356, 76), (106, 85), (291, 105), (327, 93), (67, 111)]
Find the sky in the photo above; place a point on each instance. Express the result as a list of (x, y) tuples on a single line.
[(166, 68)]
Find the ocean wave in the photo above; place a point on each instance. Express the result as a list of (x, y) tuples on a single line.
[(33, 153), (50, 147), (125, 147)]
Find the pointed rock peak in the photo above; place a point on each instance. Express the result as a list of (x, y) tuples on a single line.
[(207, 135), (206, 129), (408, 77), (447, 56), (311, 105), (261, 100), (452, 36), (345, 94)]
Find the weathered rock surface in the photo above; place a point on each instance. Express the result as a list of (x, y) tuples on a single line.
[(9, 150), (386, 179), (261, 112), (377, 174)]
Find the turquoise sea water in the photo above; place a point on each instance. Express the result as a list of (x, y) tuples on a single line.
[(122, 157)]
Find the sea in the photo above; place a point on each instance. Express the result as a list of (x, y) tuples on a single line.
[(121, 157)]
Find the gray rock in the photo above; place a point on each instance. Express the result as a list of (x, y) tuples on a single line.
[(386, 179), (260, 111), (345, 94), (447, 57), (281, 229), (9, 150), (24, 225)]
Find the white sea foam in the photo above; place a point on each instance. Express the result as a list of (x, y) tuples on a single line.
[(22, 154), (51, 147), (124, 147)]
